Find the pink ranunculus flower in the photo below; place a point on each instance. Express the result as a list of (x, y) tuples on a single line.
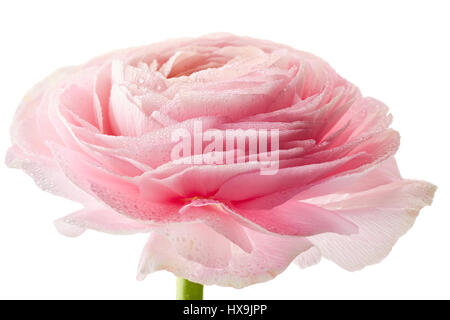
[(101, 134)]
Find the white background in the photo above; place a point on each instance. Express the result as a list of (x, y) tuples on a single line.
[(396, 51)]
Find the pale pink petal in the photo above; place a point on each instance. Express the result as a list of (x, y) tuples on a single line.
[(101, 95), (119, 193), (308, 258), (269, 191), (223, 222), (298, 219), (80, 101), (198, 243), (26, 135), (101, 219), (152, 149), (205, 180), (380, 225), (188, 104), (33, 98), (258, 185), (127, 116), (380, 174), (271, 255), (46, 174)]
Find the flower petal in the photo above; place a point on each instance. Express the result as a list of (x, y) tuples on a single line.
[(382, 215), (101, 219), (298, 219), (271, 255)]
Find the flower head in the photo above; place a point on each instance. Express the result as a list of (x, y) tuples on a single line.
[(236, 155)]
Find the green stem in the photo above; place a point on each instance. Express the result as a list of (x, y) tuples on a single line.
[(187, 290)]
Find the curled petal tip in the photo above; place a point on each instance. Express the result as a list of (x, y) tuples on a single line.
[(67, 229)]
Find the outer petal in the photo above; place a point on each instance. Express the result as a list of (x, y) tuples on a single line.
[(46, 174), (114, 191), (380, 174), (309, 258), (383, 214), (101, 219), (214, 216), (196, 242), (270, 256), (298, 219)]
